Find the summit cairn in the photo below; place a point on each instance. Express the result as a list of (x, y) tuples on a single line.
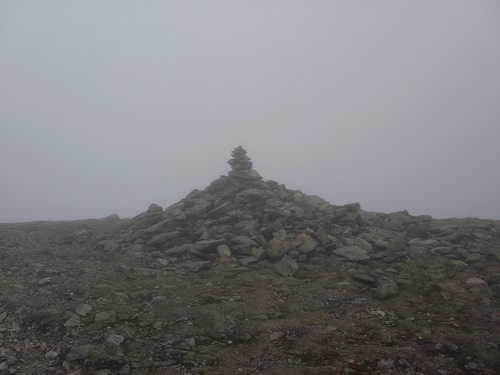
[(241, 166)]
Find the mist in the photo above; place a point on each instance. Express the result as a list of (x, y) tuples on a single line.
[(106, 107)]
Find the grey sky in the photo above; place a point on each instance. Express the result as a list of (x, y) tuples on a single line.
[(107, 106)]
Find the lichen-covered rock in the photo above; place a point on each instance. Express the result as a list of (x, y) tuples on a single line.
[(279, 245), (352, 253), (286, 266)]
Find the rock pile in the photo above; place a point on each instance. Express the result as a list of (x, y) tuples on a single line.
[(241, 221), (241, 166), (304, 285)]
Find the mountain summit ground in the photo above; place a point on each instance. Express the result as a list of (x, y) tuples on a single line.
[(249, 277)]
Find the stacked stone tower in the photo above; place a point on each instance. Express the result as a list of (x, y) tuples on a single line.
[(241, 166)]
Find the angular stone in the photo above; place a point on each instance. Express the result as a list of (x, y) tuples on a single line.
[(305, 243), (473, 258), (279, 245), (363, 244), (223, 251), (363, 278), (51, 354), (73, 321), (44, 281), (245, 175), (154, 208), (386, 288), (163, 226), (105, 316), (243, 240), (220, 209), (398, 243), (491, 279), (80, 352), (115, 339), (277, 335), (83, 309), (286, 266), (473, 282), (430, 242), (255, 194), (247, 260), (352, 253), (108, 245), (161, 238), (206, 246), (195, 212), (195, 266), (258, 252), (162, 261)]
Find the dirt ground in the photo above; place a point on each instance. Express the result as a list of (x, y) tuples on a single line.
[(69, 307)]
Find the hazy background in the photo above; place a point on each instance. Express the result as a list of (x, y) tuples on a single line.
[(107, 106)]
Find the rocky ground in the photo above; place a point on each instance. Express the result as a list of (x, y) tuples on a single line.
[(69, 306), (248, 277)]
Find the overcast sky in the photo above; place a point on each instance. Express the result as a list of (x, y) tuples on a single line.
[(108, 106)]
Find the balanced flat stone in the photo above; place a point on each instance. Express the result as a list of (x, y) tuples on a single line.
[(241, 166)]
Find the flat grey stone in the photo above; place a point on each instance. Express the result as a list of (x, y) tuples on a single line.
[(386, 288), (195, 266), (115, 339), (286, 266), (352, 253), (206, 246), (80, 352)]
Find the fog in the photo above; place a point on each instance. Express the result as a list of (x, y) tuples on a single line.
[(106, 107)]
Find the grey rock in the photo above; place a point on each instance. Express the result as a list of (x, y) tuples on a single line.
[(105, 316), (314, 201), (243, 240), (178, 250), (195, 266), (51, 355), (83, 309), (254, 194), (386, 288), (163, 226), (206, 246), (490, 279), (108, 245), (247, 260), (367, 246), (385, 364), (80, 352), (162, 238), (198, 202), (154, 208), (223, 251), (352, 253), (430, 242), (258, 253), (73, 321), (363, 278), (221, 209), (398, 243), (473, 258), (110, 219), (286, 266), (305, 243), (248, 175), (279, 245), (196, 211), (474, 282), (115, 339)]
